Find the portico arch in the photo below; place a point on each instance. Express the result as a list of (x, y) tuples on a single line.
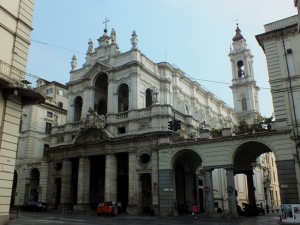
[(245, 162)]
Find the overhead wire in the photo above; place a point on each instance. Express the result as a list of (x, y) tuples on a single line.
[(72, 50)]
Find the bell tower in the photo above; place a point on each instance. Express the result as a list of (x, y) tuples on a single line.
[(244, 88)]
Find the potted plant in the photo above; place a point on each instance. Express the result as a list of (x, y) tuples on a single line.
[(216, 132), (267, 121)]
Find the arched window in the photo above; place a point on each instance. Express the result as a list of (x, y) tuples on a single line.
[(241, 71), (244, 104), (77, 109), (101, 87), (123, 98), (149, 100)]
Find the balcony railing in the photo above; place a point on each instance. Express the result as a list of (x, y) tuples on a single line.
[(18, 78), (281, 23)]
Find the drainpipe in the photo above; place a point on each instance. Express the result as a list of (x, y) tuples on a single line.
[(296, 137)]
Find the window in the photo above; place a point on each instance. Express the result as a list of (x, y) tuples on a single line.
[(123, 98), (121, 130), (60, 92), (77, 109), (244, 104), (49, 91), (60, 104), (48, 128), (148, 97), (49, 114), (241, 72)]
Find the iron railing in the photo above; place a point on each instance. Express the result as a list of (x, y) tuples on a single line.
[(18, 78)]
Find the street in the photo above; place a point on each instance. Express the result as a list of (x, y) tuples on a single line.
[(30, 218)]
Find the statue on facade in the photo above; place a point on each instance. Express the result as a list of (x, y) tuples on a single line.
[(92, 119), (74, 62), (91, 47), (134, 40), (113, 36)]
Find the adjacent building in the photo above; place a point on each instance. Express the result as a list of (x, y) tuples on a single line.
[(280, 43), (36, 123), (16, 89)]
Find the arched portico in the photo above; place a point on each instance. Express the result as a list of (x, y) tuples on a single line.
[(179, 183)]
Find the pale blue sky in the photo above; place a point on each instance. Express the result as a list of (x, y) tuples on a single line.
[(195, 35)]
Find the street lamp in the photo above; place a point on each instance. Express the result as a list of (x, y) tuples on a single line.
[(267, 183)]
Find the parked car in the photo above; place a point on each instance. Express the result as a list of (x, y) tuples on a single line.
[(35, 207), (107, 209)]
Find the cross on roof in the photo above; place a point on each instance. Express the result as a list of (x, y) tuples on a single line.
[(105, 22)]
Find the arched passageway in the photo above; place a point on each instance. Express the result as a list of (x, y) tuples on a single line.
[(187, 165), (248, 163)]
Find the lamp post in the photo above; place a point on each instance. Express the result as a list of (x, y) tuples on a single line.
[(267, 183)]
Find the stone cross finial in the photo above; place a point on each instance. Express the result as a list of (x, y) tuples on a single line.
[(105, 22), (74, 62), (134, 40)]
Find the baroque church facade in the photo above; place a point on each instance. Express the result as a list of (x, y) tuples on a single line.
[(116, 144)]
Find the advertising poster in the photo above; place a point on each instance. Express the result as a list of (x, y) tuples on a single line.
[(287, 213), (290, 213), (296, 212)]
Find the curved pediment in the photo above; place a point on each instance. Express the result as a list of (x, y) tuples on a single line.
[(92, 135), (97, 68)]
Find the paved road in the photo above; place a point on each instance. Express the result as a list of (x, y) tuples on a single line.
[(31, 218)]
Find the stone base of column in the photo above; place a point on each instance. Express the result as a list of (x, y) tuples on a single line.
[(81, 207), (64, 206), (132, 210), (224, 215), (155, 210)]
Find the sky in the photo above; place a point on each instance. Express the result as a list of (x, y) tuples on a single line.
[(193, 35)]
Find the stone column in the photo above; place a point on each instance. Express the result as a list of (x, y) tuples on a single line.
[(251, 189), (110, 192), (66, 184), (83, 186), (132, 185), (209, 192), (154, 180), (232, 207)]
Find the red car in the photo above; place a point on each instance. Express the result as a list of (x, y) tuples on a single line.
[(107, 209)]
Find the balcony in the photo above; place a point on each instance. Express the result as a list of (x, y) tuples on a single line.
[(17, 82)]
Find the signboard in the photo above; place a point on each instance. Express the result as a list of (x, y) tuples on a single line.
[(290, 213)]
